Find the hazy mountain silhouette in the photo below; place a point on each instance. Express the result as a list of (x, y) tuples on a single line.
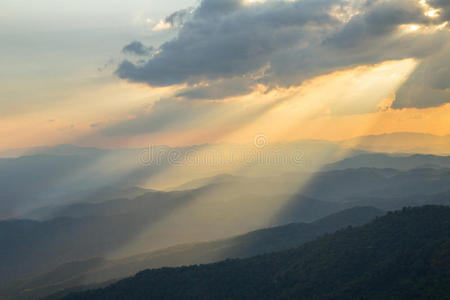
[(67, 174), (406, 142), (30, 182), (340, 185), (99, 229), (64, 174), (86, 204), (399, 162), (262, 241), (394, 203), (401, 255), (65, 149), (160, 219)]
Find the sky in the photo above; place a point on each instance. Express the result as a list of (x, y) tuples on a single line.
[(129, 74)]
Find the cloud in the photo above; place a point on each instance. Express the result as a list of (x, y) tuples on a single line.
[(378, 20), (225, 39), (175, 20), (290, 41), (443, 7), (218, 90), (429, 85), (215, 8), (137, 48), (178, 18), (110, 63)]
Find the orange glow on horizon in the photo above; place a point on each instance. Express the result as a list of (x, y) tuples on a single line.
[(336, 106)]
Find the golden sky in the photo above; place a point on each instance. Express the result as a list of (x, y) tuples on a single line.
[(65, 87), (337, 106)]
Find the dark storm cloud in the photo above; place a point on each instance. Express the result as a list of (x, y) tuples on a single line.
[(380, 20), (371, 37), (178, 18), (226, 39), (289, 40), (444, 8), (429, 84), (137, 48), (215, 8)]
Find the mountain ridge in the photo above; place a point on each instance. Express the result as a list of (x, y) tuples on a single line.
[(253, 243), (404, 254)]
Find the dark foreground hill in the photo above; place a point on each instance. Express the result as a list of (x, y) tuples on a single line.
[(405, 254)]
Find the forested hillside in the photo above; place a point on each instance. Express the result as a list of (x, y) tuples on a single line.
[(405, 254)]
